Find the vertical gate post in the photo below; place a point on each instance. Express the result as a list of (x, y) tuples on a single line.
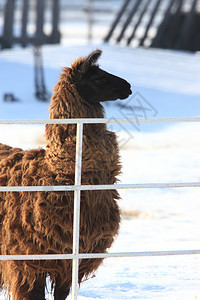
[(77, 201), (7, 39)]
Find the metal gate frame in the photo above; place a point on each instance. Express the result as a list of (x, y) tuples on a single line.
[(77, 188)]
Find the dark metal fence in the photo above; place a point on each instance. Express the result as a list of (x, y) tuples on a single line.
[(172, 24), (37, 36)]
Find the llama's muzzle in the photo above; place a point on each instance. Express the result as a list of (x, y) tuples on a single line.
[(126, 92)]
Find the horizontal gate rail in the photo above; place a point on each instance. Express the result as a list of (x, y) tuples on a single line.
[(93, 121), (99, 255), (63, 188)]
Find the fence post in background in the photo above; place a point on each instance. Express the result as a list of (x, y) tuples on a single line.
[(7, 38), (128, 20), (138, 23), (39, 35), (176, 23), (161, 39), (24, 37), (156, 7), (116, 21), (90, 19), (77, 201), (186, 35), (40, 88), (55, 34)]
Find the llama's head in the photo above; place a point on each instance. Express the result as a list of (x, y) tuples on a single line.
[(96, 85)]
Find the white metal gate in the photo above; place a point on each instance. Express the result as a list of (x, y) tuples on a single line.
[(77, 188)]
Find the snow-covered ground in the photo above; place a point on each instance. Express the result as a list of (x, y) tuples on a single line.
[(164, 84)]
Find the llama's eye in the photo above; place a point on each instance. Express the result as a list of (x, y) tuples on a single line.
[(100, 81)]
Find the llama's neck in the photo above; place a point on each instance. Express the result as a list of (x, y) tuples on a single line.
[(66, 103)]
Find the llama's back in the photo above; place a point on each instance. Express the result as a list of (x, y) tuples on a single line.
[(6, 150), (9, 157)]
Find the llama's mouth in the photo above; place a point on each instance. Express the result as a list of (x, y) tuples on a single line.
[(125, 95)]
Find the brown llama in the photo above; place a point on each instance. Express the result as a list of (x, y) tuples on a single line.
[(42, 222)]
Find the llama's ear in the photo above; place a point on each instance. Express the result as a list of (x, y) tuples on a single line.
[(90, 60), (93, 57)]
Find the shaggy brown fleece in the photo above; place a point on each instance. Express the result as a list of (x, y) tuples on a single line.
[(42, 222)]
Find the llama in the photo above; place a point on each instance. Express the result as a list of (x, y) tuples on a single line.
[(42, 222)]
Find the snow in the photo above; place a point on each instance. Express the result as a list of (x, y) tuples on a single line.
[(166, 84)]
